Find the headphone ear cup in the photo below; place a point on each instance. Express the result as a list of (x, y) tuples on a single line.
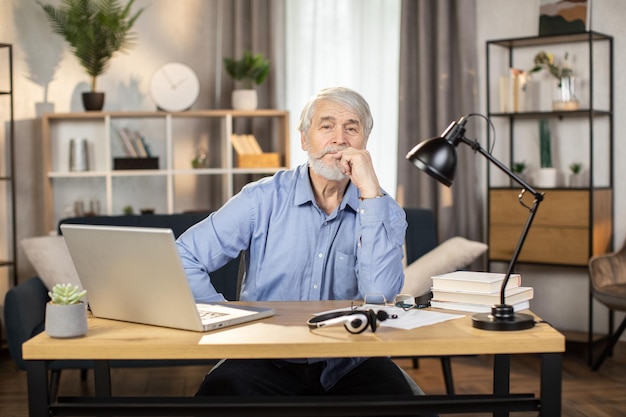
[(375, 316), (382, 315), (358, 324)]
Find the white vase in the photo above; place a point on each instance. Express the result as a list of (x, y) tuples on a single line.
[(244, 99), (547, 178), (64, 321)]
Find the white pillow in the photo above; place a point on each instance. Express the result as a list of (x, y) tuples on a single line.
[(51, 259), (451, 255)]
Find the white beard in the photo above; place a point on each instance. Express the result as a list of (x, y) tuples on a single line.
[(331, 171)]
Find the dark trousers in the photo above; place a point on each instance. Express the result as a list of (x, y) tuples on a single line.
[(249, 377)]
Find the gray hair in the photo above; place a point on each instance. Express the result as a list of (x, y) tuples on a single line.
[(344, 96)]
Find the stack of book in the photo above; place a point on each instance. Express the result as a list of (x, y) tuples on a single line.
[(478, 291)]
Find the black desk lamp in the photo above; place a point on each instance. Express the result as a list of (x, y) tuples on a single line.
[(437, 157)]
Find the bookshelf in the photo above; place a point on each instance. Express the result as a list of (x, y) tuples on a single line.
[(196, 169)]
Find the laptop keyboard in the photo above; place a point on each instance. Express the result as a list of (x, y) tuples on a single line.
[(205, 316)]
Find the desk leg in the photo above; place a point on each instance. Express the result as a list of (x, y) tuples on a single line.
[(37, 382), (102, 378), (551, 384), (501, 378)]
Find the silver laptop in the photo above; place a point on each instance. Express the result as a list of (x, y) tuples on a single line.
[(135, 274)]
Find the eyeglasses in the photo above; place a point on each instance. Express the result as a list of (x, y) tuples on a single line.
[(403, 301)]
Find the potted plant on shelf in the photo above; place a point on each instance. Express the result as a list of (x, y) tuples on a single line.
[(94, 30), (518, 168), (575, 179), (66, 313), (547, 175), (249, 70)]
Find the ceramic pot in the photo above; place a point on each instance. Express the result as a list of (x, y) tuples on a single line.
[(93, 101), (547, 178), (64, 321), (244, 99)]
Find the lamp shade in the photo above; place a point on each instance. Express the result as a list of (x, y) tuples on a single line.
[(436, 157)]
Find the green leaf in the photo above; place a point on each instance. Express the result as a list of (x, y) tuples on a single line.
[(249, 69), (94, 30)]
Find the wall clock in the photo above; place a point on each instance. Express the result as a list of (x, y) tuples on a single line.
[(174, 87)]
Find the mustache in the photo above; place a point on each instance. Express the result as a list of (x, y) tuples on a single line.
[(329, 149)]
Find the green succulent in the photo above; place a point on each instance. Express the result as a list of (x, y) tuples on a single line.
[(576, 167), (249, 69), (94, 29), (66, 294), (518, 167)]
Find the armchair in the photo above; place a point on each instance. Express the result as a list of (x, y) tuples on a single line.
[(607, 274)]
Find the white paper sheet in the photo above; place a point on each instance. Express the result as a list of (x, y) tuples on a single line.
[(406, 320)]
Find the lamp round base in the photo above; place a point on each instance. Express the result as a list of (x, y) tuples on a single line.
[(502, 318)]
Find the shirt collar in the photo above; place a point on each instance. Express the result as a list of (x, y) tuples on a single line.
[(304, 191)]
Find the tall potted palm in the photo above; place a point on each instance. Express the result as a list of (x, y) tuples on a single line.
[(94, 30)]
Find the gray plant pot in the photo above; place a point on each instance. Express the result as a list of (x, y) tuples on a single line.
[(66, 321)]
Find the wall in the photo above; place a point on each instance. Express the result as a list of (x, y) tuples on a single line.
[(561, 294)]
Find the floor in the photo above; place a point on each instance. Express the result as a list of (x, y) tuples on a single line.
[(585, 393)]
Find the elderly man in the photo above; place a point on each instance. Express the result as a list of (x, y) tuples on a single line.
[(322, 231)]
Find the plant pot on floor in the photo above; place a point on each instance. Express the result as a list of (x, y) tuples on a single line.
[(65, 321), (93, 101), (244, 99)]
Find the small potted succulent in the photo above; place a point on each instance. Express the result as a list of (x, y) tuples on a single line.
[(249, 70), (66, 313), (518, 168), (575, 179)]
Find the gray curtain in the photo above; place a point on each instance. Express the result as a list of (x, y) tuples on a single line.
[(438, 84), (259, 27)]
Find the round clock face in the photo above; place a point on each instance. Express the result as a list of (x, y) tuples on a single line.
[(174, 87)]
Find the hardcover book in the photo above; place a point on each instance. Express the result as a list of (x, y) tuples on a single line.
[(473, 308), (484, 282), (512, 296)]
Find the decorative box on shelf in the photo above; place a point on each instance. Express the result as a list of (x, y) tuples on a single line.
[(250, 155), (135, 163)]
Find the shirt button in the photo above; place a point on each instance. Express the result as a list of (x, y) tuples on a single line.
[(362, 211), (319, 255), (315, 286)]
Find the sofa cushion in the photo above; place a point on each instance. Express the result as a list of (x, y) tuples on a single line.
[(51, 259), (453, 254)]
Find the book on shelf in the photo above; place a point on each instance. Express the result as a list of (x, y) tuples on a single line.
[(135, 139), (471, 281), (134, 144), (127, 144), (511, 295), (474, 308)]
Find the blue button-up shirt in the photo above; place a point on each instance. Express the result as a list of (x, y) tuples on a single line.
[(295, 251)]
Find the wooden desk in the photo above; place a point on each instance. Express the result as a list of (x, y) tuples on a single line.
[(286, 335)]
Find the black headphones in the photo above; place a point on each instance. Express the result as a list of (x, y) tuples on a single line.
[(355, 321)]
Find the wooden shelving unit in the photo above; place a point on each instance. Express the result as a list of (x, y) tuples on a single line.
[(174, 139)]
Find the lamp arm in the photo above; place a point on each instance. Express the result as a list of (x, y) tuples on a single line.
[(532, 210), (477, 148)]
